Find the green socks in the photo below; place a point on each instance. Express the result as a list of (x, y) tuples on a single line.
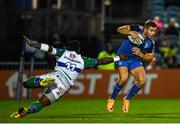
[(32, 82), (35, 107)]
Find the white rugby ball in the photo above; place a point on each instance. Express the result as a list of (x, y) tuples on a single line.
[(138, 42)]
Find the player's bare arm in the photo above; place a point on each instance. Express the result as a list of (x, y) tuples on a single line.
[(41, 46), (107, 60), (126, 30), (146, 56)]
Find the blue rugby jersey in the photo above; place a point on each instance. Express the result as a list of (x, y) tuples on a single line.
[(147, 46)]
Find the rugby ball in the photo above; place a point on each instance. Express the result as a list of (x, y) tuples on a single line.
[(137, 42)]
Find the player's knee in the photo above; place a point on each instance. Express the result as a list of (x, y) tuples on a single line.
[(44, 100), (141, 81), (123, 79)]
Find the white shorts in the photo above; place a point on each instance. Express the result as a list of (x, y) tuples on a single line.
[(62, 84)]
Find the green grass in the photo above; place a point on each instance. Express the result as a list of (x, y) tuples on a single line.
[(94, 111)]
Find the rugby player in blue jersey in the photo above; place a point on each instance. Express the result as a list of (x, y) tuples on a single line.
[(137, 47)]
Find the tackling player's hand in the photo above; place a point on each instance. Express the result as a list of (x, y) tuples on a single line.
[(135, 36), (137, 51), (28, 41), (43, 47), (123, 57)]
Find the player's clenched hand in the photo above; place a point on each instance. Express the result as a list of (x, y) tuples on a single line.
[(137, 51), (28, 41)]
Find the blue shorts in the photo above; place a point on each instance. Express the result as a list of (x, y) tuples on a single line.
[(130, 64)]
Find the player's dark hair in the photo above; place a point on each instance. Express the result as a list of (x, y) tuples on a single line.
[(150, 23), (74, 45)]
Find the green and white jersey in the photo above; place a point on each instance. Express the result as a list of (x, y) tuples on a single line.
[(71, 63)]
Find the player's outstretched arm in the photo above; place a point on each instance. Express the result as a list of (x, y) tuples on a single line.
[(91, 62), (41, 46), (107, 60)]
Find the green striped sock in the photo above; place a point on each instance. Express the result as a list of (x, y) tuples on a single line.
[(32, 82), (35, 107)]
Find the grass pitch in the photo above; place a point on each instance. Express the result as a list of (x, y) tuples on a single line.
[(94, 111)]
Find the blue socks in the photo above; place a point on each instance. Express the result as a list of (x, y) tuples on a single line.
[(134, 91), (116, 90)]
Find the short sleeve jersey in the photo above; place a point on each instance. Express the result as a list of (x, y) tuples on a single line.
[(147, 46), (71, 63)]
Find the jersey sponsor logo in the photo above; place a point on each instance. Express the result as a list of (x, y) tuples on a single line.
[(72, 56), (72, 60)]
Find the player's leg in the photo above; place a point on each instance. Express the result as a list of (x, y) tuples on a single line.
[(39, 81), (32, 82), (123, 76), (51, 94), (139, 74), (34, 107)]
